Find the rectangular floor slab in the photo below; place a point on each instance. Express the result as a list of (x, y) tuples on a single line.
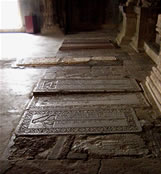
[(130, 99), (78, 120), (86, 72), (80, 41), (87, 46), (86, 85), (111, 145)]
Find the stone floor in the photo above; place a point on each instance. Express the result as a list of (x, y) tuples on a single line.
[(125, 153)]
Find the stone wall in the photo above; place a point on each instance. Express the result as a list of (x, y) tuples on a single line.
[(30, 7), (47, 16)]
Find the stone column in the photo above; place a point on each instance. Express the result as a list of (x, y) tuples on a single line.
[(158, 30), (128, 25), (152, 49), (145, 26), (47, 15), (153, 82)]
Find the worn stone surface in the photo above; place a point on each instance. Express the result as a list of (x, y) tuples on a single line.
[(102, 60), (38, 61), (130, 99), (85, 40), (86, 72), (4, 166), (152, 50), (110, 145), (61, 148), (53, 61), (31, 147), (56, 167), (56, 152), (153, 138), (76, 120), (64, 85), (130, 166), (154, 92), (147, 114), (92, 53), (16, 86), (80, 46), (76, 155)]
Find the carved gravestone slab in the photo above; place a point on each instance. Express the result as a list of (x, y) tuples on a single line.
[(110, 145), (78, 85), (130, 99), (78, 120)]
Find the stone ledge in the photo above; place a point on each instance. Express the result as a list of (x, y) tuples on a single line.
[(152, 50)]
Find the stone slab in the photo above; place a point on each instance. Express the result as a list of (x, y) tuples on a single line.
[(84, 40), (78, 120), (153, 95), (130, 166), (108, 60), (77, 156), (86, 72), (130, 99), (102, 60), (154, 142), (38, 61), (83, 85), (57, 149), (93, 53), (156, 81), (111, 145), (87, 46), (154, 89), (54, 167), (157, 72), (152, 51), (4, 166)]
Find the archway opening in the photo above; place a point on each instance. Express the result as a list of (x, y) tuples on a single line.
[(10, 17)]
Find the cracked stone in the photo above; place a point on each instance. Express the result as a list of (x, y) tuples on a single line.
[(61, 147), (111, 145), (31, 147)]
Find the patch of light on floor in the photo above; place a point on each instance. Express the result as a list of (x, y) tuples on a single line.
[(10, 15)]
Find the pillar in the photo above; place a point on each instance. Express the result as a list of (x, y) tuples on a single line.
[(47, 15), (145, 26), (128, 24)]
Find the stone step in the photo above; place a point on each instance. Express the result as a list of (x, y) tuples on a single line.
[(157, 73), (156, 81), (86, 41), (155, 90), (82, 46), (152, 50), (48, 86), (153, 94), (118, 53), (136, 100)]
